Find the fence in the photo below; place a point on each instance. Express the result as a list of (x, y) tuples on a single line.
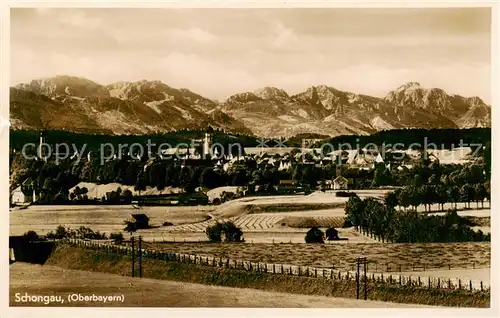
[(285, 269), (378, 267)]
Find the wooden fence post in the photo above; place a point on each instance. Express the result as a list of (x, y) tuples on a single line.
[(449, 283), (274, 269), (470, 285), (481, 285), (459, 283)]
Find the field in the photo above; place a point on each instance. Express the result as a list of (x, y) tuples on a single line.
[(146, 292), (385, 257), (104, 218), (278, 219), (274, 230)]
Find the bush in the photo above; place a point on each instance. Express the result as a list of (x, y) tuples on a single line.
[(231, 232), (31, 236), (214, 232), (116, 237), (61, 232), (315, 235), (81, 233), (226, 230)]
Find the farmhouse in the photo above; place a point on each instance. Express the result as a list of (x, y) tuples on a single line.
[(18, 197), (340, 183), (332, 234)]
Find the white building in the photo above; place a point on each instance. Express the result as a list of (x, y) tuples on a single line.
[(18, 197), (340, 183)]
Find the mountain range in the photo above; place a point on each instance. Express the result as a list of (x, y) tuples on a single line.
[(81, 105)]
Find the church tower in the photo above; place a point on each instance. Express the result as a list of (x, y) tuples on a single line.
[(41, 154), (207, 143)]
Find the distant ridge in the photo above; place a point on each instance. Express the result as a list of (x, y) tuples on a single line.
[(78, 104)]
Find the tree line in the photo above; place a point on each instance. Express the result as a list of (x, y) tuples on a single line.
[(384, 222)]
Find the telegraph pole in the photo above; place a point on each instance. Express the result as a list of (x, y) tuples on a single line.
[(361, 261), (365, 267), (140, 256), (357, 277), (133, 255)]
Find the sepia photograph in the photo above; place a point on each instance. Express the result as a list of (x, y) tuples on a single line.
[(250, 157)]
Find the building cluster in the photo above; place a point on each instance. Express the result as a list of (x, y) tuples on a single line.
[(209, 155)]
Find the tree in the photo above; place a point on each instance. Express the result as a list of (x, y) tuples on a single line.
[(127, 196), (415, 197), (214, 232), (231, 232), (391, 199), (377, 178), (61, 232), (116, 237), (207, 178), (441, 195), (488, 193), (31, 236), (354, 210), (453, 193), (480, 194), (467, 194), (374, 216), (228, 230), (487, 159), (404, 197)]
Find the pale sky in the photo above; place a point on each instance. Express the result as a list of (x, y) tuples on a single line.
[(220, 52)]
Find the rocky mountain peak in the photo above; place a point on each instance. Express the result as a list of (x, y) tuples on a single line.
[(408, 86), (272, 93), (243, 98), (64, 85), (144, 106)]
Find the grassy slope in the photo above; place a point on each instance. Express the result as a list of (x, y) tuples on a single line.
[(76, 258)]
